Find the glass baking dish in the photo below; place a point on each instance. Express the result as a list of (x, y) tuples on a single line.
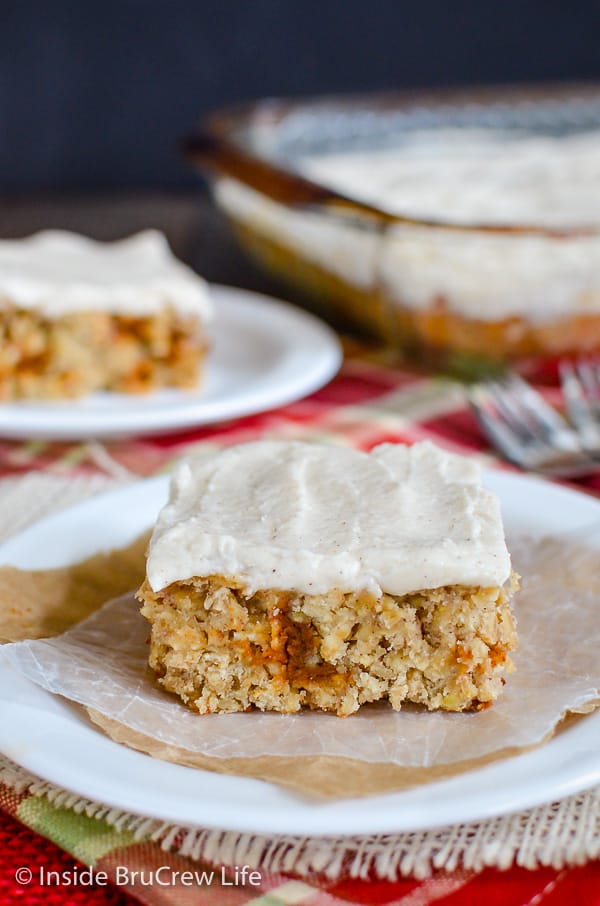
[(449, 289)]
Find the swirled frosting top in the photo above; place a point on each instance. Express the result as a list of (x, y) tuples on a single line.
[(57, 272), (472, 176), (314, 517)]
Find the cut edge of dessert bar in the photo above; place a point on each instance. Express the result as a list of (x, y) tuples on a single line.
[(78, 316), (225, 641)]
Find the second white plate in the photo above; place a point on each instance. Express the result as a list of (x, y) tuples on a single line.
[(264, 353)]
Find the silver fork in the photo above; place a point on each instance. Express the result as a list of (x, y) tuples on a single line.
[(581, 389), (527, 430)]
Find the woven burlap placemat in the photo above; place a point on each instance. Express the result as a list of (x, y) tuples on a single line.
[(557, 834)]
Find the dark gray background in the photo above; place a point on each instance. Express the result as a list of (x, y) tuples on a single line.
[(93, 95)]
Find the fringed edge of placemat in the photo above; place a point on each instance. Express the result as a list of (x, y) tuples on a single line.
[(556, 835)]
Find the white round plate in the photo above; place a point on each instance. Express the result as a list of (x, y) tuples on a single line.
[(51, 738), (264, 353)]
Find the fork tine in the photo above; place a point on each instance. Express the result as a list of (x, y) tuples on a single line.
[(527, 431), (509, 412), (535, 404), (579, 385), (595, 367), (573, 392), (589, 375), (531, 416), (497, 429)]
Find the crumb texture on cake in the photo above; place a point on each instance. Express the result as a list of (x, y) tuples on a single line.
[(78, 315), (221, 649), (78, 353)]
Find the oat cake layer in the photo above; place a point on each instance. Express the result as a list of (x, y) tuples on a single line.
[(78, 315), (284, 575)]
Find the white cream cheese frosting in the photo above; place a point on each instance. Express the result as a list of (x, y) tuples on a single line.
[(57, 272), (472, 176), (314, 517), (464, 177)]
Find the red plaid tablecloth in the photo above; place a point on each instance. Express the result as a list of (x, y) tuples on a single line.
[(370, 402)]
